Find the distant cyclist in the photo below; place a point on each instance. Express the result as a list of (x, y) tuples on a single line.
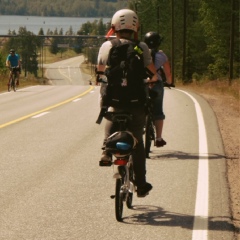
[(13, 60)]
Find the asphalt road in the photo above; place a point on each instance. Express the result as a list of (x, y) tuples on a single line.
[(52, 186)]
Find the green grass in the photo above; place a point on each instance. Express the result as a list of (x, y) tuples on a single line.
[(223, 87)]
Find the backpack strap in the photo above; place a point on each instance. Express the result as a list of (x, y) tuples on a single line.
[(115, 41)]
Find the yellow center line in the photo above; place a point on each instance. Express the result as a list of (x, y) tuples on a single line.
[(46, 109)]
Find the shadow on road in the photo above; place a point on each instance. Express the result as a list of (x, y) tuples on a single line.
[(156, 216), (174, 155)]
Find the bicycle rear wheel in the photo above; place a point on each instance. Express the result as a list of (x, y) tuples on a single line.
[(131, 178), (119, 199)]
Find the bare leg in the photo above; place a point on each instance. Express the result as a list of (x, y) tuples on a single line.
[(159, 128)]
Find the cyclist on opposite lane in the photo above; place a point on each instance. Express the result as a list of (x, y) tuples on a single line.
[(13, 60)]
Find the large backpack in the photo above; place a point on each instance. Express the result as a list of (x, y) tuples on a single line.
[(125, 74)]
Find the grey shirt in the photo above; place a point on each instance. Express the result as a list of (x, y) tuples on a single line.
[(106, 46), (160, 59)]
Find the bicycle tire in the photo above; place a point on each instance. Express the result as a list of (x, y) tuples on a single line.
[(148, 136), (10, 84), (131, 178), (14, 83), (118, 199)]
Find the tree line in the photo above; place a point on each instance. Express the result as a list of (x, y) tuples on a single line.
[(60, 8), (201, 38), (29, 46)]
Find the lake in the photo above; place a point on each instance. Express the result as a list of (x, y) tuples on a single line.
[(33, 23)]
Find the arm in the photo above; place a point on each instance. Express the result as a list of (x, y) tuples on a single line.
[(102, 59), (8, 64), (100, 73), (152, 69), (148, 63), (167, 71)]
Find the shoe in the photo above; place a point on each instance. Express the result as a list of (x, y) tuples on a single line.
[(144, 191), (160, 143), (106, 159)]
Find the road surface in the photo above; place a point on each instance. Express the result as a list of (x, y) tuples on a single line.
[(52, 186)]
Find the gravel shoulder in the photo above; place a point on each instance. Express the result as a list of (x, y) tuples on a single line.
[(226, 109)]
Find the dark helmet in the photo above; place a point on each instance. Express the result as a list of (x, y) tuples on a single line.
[(153, 39), (121, 143), (12, 51)]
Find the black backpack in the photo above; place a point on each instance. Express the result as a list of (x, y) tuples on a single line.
[(125, 73)]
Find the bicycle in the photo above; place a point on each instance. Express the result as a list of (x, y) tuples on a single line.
[(150, 131), (13, 77), (121, 144)]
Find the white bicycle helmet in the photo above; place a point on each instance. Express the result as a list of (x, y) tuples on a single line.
[(125, 19)]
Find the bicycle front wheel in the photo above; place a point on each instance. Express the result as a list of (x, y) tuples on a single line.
[(118, 200), (10, 84), (14, 83), (149, 136)]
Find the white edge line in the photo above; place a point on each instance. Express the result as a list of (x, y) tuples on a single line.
[(200, 226)]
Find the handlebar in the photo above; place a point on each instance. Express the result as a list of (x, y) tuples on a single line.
[(168, 85), (165, 84), (14, 68)]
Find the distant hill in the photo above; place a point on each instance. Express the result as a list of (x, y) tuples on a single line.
[(61, 8)]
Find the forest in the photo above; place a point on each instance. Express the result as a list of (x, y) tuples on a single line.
[(61, 8), (201, 37)]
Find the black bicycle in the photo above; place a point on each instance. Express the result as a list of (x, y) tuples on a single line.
[(150, 131), (149, 126), (13, 79), (121, 144)]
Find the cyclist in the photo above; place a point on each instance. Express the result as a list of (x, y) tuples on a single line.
[(13, 60), (153, 40), (125, 24)]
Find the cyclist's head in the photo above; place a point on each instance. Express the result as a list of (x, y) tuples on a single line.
[(124, 20), (12, 51), (153, 40)]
